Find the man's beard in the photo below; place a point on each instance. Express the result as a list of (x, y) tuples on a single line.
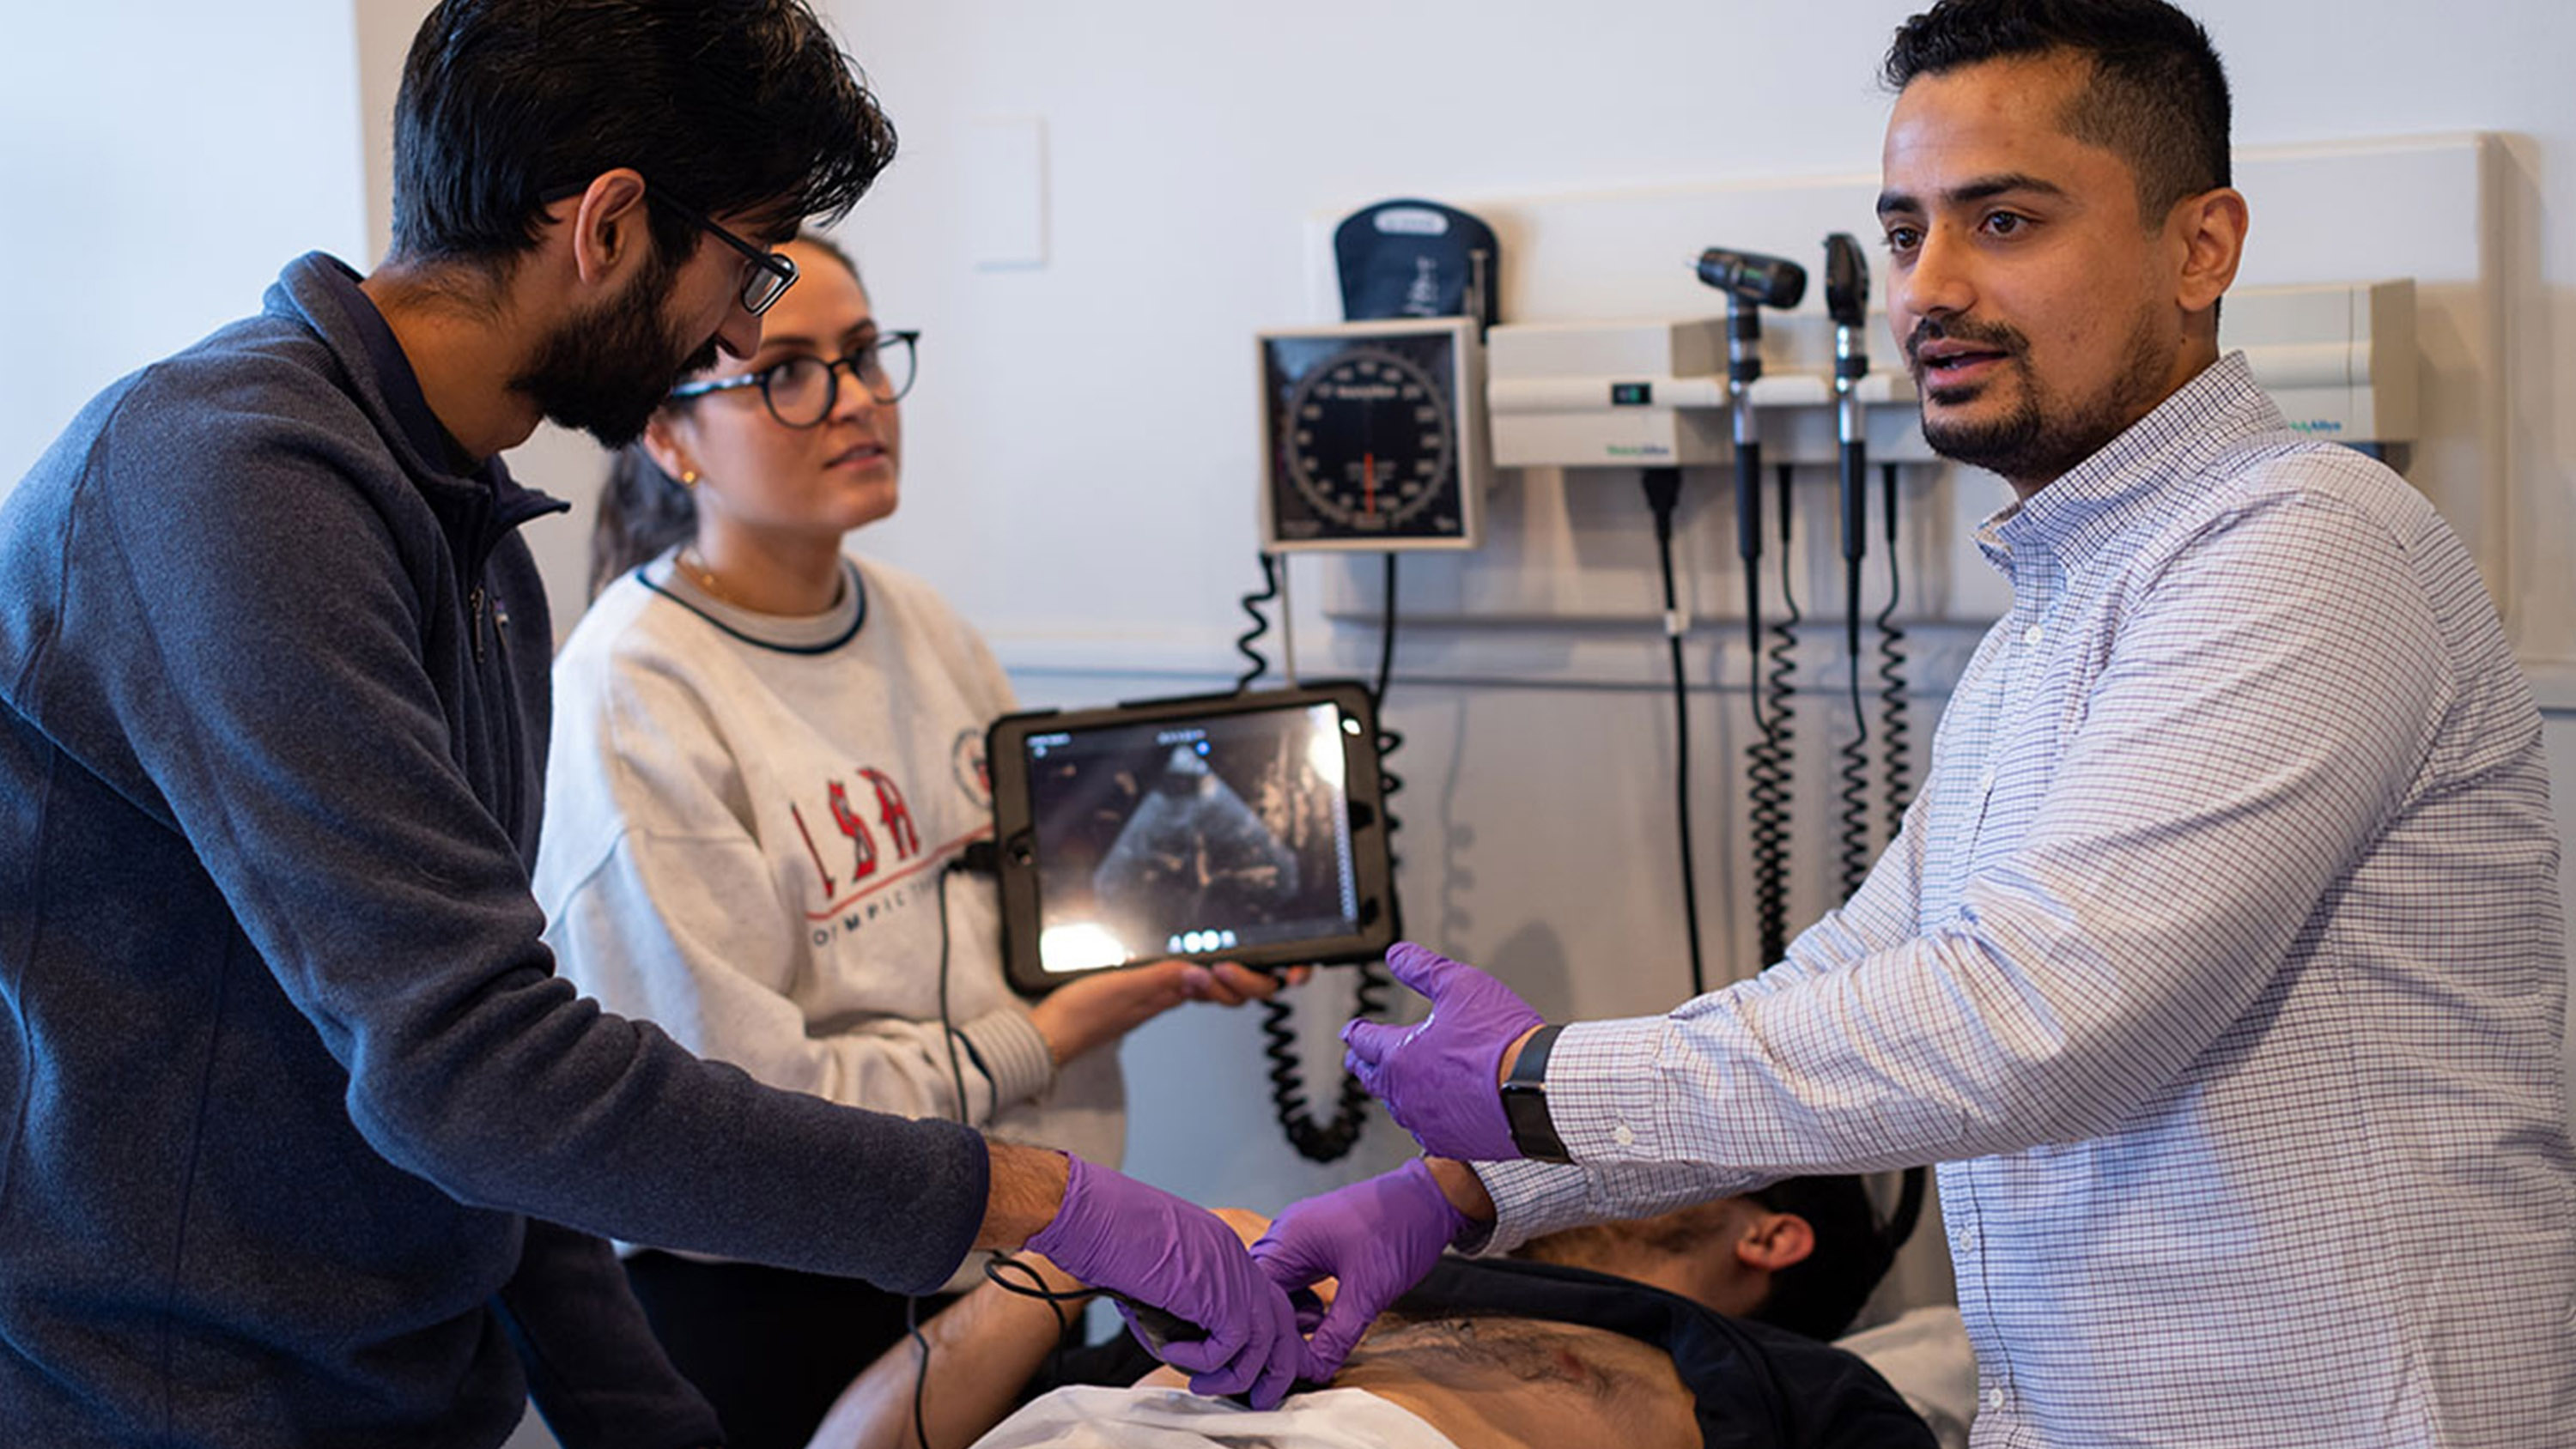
[(606, 371), (2044, 436)]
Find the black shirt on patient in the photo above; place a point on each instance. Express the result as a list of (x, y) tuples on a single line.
[(1753, 1386)]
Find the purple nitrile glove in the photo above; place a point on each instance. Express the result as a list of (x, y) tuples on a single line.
[(1118, 1235), (1378, 1237), (1440, 1078)]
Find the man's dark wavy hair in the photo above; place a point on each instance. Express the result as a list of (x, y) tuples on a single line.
[(724, 105), (1820, 1295), (2158, 96)]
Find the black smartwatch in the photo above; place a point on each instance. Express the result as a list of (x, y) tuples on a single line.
[(1525, 1101)]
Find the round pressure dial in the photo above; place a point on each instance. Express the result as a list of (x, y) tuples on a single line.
[(1372, 440), (1373, 436)]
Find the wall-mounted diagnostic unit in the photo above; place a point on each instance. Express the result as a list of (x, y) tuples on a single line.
[(2339, 359), (1654, 393), (1373, 436)]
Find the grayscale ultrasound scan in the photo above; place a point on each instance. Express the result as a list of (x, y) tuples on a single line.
[(1190, 837)]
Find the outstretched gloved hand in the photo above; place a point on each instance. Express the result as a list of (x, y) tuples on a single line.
[(1143, 1244), (1441, 1077), (1378, 1237)]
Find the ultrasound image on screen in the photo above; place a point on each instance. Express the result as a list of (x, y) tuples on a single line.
[(1190, 837)]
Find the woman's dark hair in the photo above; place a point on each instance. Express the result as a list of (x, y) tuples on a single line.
[(2158, 94), (643, 510), (726, 105)]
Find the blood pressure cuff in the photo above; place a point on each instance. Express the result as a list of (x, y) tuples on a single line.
[(1756, 1387), (1408, 258)]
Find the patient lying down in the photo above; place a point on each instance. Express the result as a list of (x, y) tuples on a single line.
[(1440, 1384), (1698, 1327)]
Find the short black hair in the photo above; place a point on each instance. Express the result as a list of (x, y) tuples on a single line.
[(2157, 97), (1817, 1296), (1820, 1294), (723, 105)]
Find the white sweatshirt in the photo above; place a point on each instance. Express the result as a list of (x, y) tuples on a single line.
[(746, 820)]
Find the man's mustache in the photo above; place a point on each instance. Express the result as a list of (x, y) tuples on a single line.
[(1991, 335)]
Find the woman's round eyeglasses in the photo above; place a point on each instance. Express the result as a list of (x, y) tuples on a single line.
[(801, 391)]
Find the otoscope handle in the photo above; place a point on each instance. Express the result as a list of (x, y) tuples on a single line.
[(1855, 485), (1748, 501), (1748, 540)]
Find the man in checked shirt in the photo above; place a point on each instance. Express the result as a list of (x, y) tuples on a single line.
[(2220, 964)]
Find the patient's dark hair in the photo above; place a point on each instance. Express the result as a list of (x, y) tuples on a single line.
[(1821, 1294), (727, 105), (643, 510), (2157, 98), (1817, 1296)]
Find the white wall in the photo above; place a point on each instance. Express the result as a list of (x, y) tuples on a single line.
[(159, 163)]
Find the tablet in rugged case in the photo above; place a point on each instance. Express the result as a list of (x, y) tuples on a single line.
[(1237, 827)]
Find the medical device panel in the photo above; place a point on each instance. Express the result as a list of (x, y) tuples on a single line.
[(1240, 828), (1373, 435)]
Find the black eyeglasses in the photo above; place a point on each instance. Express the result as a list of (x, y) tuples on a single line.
[(771, 273), (769, 276), (801, 391)]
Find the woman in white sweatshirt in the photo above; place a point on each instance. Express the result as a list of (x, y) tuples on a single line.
[(765, 756)]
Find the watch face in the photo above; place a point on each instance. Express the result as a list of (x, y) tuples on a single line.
[(1366, 440)]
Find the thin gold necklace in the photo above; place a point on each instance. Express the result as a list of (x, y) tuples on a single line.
[(706, 576)]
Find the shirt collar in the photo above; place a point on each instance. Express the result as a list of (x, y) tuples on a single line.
[(394, 376), (811, 634), (320, 277), (2137, 472)]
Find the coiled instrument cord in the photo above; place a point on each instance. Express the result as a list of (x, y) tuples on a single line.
[(1332, 1139), (1769, 777)]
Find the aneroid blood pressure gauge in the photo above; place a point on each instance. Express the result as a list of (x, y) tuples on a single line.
[(1374, 435)]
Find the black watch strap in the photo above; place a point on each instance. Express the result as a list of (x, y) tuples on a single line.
[(1525, 1101)]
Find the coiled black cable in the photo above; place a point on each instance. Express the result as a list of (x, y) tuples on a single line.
[(1892, 729), (1315, 1141), (1851, 825), (1331, 1140), (1769, 781), (1247, 643)]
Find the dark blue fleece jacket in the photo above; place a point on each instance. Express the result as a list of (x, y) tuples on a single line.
[(289, 1094)]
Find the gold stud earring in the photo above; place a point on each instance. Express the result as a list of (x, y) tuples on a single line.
[(688, 477)]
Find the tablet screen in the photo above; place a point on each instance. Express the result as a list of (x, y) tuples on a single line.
[(1192, 836)]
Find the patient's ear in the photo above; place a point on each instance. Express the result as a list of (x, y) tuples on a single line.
[(1773, 1241)]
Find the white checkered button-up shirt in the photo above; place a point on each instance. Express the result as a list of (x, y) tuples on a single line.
[(2221, 962)]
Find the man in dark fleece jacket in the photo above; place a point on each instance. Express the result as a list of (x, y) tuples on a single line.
[(291, 1104)]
